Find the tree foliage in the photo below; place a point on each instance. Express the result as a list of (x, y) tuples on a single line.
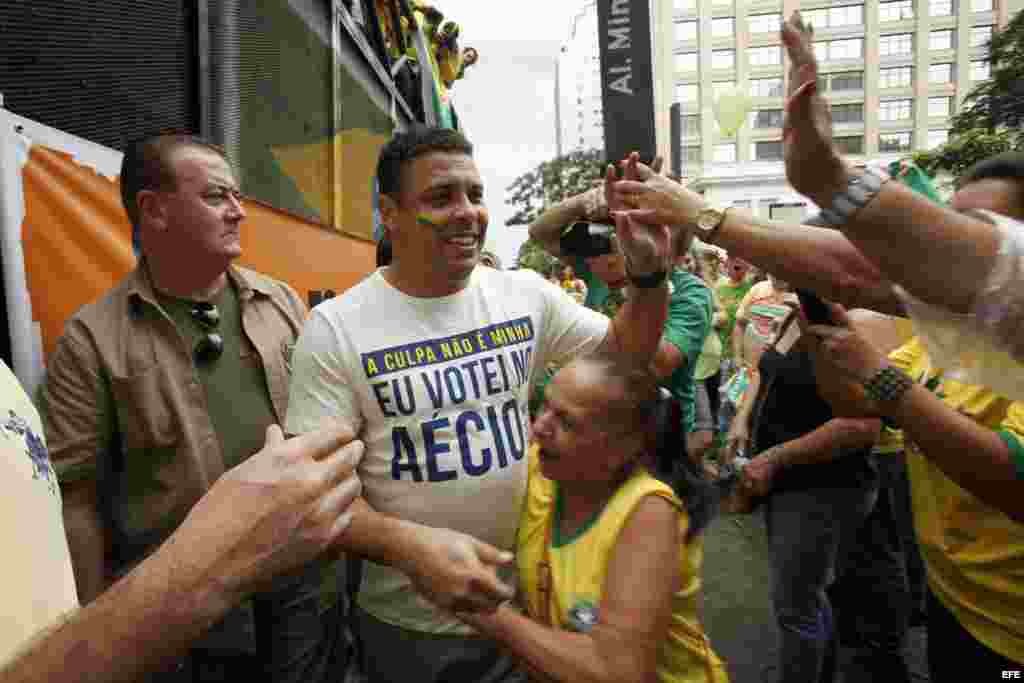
[(551, 182), (990, 117), (533, 257)]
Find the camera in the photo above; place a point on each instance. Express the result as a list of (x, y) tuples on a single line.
[(584, 239)]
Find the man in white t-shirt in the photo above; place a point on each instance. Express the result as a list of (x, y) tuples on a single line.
[(432, 360)]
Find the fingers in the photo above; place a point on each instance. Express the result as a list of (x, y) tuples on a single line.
[(839, 316), (336, 502), (318, 444), (491, 555), (274, 436), (632, 187), (341, 464)]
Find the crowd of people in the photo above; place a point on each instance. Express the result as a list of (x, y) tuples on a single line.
[(178, 535)]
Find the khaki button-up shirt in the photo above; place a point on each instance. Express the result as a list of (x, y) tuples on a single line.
[(125, 411)]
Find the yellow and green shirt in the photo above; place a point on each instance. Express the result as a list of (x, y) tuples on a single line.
[(974, 553), (579, 565)]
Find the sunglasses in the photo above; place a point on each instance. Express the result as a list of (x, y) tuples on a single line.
[(211, 346)]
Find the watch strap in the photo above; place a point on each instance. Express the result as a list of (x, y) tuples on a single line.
[(888, 385), (858, 193), (649, 281)]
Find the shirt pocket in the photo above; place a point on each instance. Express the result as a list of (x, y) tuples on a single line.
[(144, 413), (154, 481)]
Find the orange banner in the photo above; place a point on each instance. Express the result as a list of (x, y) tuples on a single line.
[(77, 243)]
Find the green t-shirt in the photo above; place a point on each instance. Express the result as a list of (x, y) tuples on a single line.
[(690, 310), (729, 296), (599, 296), (237, 398)]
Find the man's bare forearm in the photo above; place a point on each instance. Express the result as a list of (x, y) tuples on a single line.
[(637, 327), (378, 537), (547, 228), (809, 257), (143, 622), (919, 243)]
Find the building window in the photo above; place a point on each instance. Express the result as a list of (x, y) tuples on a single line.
[(981, 5), (941, 8), (722, 27), (770, 55), (980, 35), (899, 77), (770, 150), (686, 30), (848, 113), (741, 204), (937, 137), (894, 142), (851, 144), (723, 59), (896, 44), (894, 110), (847, 15), (850, 48), (940, 40), (766, 118), (766, 87), (843, 81), (765, 23), (686, 61), (725, 154), (689, 92), (691, 154), (685, 4), (980, 70), (720, 87), (939, 107), (940, 73), (691, 126), (895, 11)]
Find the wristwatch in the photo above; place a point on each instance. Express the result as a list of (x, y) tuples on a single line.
[(709, 220), (858, 193), (887, 385)]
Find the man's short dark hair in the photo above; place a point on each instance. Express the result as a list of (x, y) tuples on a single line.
[(413, 143), (1005, 166), (147, 166)]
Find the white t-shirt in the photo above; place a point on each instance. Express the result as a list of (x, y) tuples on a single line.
[(39, 586), (438, 390), (986, 345)]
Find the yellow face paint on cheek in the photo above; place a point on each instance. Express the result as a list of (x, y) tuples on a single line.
[(426, 219)]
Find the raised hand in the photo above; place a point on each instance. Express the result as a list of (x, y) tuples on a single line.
[(645, 242), (813, 165)]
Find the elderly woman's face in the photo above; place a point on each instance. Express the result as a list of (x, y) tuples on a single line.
[(577, 443)]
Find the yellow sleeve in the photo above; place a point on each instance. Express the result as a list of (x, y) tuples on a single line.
[(907, 355)]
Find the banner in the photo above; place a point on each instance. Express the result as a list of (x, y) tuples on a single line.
[(66, 239), (627, 78)]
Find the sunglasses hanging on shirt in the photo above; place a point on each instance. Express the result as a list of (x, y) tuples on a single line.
[(211, 346)]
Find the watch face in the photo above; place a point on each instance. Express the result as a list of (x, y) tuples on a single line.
[(708, 218)]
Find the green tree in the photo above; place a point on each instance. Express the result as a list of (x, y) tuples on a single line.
[(551, 182), (990, 117), (547, 184)]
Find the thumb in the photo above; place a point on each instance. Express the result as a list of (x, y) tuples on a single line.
[(657, 164), (839, 316), (274, 436), (488, 554)]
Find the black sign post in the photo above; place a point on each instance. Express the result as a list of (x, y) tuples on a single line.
[(627, 79)]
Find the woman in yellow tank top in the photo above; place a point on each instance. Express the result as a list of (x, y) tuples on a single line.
[(609, 551)]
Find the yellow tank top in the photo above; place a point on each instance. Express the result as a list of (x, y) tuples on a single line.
[(578, 567)]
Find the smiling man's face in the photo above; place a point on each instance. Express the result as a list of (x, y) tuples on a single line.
[(438, 222)]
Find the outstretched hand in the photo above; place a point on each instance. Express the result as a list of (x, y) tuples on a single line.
[(843, 361), (458, 572), (274, 512), (813, 165)]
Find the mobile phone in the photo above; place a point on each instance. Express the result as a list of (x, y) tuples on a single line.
[(815, 310)]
